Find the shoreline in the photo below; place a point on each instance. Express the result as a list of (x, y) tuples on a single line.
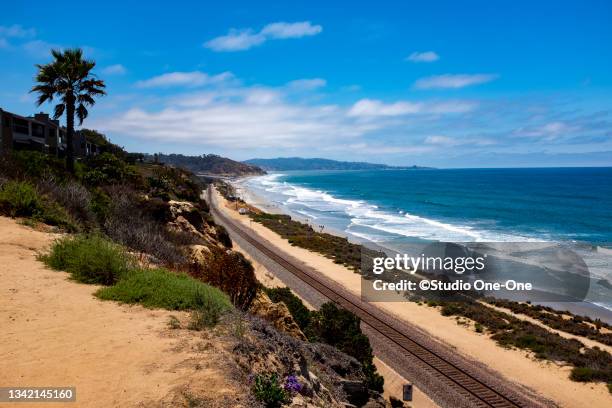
[(259, 201), (550, 380), (266, 205)]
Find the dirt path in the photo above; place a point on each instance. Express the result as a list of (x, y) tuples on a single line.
[(56, 333)]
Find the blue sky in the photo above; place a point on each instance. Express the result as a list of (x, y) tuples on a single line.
[(447, 84)]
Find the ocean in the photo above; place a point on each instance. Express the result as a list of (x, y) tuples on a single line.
[(572, 206)]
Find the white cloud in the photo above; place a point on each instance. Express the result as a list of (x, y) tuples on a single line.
[(450, 107), (228, 115), (374, 107), (427, 56), (236, 40), (440, 140), (188, 79), (17, 31), (386, 149), (307, 84), (243, 39), (253, 119), (453, 81), (445, 141), (284, 30), (548, 131), (116, 69)]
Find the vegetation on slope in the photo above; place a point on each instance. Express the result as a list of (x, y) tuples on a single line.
[(159, 287), (22, 199), (94, 259), (209, 164), (123, 211), (299, 234), (332, 325), (89, 259), (560, 320), (589, 364)]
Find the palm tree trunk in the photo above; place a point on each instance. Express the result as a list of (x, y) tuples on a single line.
[(70, 134)]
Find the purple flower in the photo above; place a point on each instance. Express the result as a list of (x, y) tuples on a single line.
[(292, 384)]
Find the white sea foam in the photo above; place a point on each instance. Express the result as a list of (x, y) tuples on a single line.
[(366, 221), (360, 215)]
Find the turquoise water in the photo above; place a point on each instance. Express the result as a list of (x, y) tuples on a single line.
[(397, 208), (559, 204)]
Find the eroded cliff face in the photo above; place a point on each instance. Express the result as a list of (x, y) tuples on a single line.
[(328, 377), (266, 339), (277, 314)]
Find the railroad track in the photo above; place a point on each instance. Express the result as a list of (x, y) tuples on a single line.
[(461, 381)]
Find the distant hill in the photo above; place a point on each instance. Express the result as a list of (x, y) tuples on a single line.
[(209, 164), (299, 163)]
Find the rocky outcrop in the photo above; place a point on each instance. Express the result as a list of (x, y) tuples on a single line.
[(199, 253), (328, 377), (187, 218), (277, 314)]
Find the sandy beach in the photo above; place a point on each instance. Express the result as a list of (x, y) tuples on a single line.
[(545, 378)]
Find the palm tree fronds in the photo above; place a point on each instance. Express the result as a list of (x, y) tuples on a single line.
[(82, 113), (59, 110)]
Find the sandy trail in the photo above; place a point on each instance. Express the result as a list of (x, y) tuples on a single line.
[(545, 378), (56, 333)]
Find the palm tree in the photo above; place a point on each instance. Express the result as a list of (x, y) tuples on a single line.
[(68, 77)]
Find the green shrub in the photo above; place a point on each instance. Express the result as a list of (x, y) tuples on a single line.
[(100, 205), (32, 164), (168, 182), (296, 307), (341, 329), (302, 235), (268, 390), (173, 322), (207, 312), (19, 199), (89, 259), (52, 213), (223, 236), (395, 403), (106, 169), (164, 289), (589, 364), (335, 326), (583, 374)]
